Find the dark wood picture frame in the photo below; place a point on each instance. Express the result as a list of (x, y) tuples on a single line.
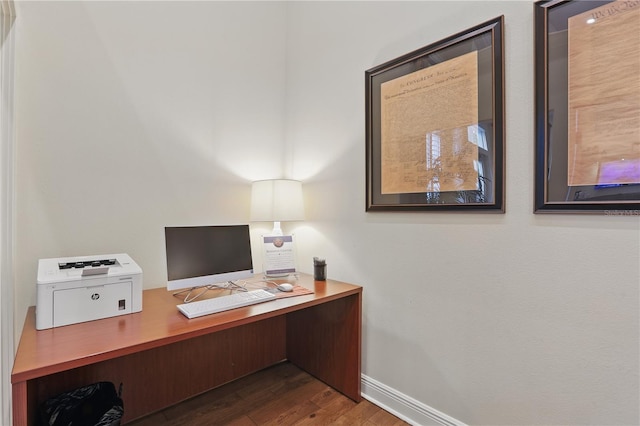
[(575, 169), (427, 166)]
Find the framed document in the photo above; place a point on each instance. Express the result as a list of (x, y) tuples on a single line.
[(587, 107), (435, 126), (278, 255)]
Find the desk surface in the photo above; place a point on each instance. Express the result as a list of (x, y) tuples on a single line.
[(46, 352)]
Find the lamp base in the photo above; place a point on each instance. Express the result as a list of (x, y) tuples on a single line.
[(281, 275), (276, 231)]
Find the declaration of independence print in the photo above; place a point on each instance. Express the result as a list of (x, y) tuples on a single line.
[(604, 95), (428, 125)]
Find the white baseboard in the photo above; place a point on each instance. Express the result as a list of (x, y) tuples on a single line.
[(403, 406)]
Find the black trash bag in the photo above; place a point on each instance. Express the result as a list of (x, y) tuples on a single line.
[(94, 405)]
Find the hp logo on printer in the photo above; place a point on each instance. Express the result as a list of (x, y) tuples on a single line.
[(95, 296)]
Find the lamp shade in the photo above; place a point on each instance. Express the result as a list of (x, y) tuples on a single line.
[(276, 200)]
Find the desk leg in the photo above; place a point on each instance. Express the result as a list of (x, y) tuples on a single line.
[(19, 396), (325, 341)]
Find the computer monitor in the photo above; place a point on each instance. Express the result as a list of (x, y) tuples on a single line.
[(199, 256)]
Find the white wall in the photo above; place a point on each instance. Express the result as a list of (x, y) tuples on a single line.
[(491, 319), (133, 116)]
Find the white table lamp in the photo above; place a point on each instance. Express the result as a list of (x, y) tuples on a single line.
[(276, 200)]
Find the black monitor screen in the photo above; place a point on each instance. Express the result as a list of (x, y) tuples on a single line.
[(204, 255)]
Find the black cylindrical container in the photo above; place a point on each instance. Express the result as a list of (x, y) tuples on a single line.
[(319, 269)]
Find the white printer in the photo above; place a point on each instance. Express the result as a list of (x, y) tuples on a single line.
[(86, 288)]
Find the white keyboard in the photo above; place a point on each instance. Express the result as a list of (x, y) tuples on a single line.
[(224, 303)]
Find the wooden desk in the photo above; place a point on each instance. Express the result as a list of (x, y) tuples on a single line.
[(162, 358)]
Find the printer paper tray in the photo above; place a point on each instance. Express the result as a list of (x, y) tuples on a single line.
[(90, 303)]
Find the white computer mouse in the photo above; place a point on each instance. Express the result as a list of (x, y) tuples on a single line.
[(285, 287)]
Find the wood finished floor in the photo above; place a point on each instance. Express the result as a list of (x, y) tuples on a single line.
[(280, 395)]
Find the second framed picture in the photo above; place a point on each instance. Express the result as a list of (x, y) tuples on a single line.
[(587, 107), (435, 126)]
